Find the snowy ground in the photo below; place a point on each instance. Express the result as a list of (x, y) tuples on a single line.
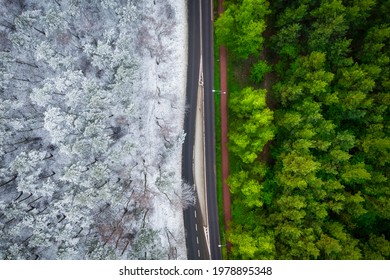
[(164, 75)]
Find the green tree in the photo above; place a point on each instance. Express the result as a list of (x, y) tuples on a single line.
[(247, 243), (240, 27), (251, 124), (259, 69), (325, 193)]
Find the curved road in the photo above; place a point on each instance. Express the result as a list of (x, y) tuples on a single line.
[(200, 24)]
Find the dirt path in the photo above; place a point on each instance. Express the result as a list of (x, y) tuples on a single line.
[(224, 135)]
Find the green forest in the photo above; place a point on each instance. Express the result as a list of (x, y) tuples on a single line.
[(308, 128)]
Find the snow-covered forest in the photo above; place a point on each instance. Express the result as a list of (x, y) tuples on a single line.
[(92, 100)]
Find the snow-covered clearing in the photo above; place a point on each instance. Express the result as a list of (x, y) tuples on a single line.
[(91, 129)]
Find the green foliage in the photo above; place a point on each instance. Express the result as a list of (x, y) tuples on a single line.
[(249, 190), (240, 27), (325, 194), (251, 124), (377, 248), (286, 41), (252, 244), (259, 70), (292, 15)]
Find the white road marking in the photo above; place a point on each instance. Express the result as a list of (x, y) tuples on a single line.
[(195, 213), (198, 254), (196, 227), (197, 240)]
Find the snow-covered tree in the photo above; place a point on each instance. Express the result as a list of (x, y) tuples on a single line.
[(90, 129)]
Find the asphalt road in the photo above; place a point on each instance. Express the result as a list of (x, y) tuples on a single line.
[(209, 124), (200, 16), (195, 236)]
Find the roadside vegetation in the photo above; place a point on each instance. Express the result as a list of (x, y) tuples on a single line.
[(308, 128)]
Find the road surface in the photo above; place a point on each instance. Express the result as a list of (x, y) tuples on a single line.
[(209, 125), (195, 236), (200, 44)]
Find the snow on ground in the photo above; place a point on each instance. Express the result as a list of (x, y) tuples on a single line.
[(162, 73)]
